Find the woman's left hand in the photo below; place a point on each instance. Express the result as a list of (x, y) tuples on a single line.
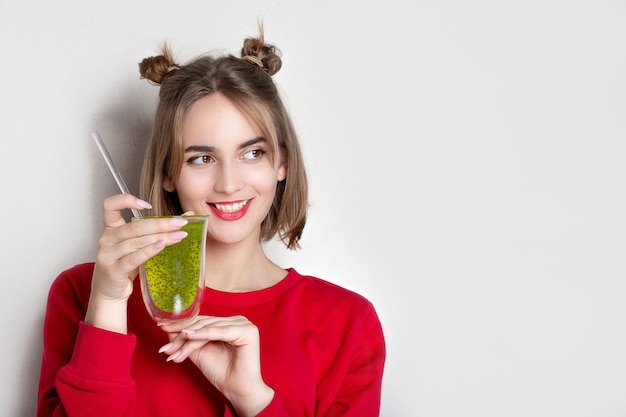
[(227, 351)]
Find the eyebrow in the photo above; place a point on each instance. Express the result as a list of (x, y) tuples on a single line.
[(203, 148)]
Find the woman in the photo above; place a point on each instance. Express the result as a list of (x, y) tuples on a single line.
[(268, 341)]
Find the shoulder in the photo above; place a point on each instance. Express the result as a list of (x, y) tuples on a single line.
[(330, 295), (79, 274), (74, 282), (340, 313)]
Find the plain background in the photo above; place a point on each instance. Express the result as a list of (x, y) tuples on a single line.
[(467, 162)]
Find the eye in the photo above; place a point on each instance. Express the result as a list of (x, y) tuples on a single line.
[(254, 154), (200, 160)]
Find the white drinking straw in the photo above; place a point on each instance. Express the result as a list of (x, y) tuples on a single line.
[(116, 174)]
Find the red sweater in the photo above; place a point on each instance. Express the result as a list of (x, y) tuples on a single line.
[(322, 351)]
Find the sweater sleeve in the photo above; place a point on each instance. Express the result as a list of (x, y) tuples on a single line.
[(360, 391), (274, 409), (85, 370), (355, 391), (97, 382), (353, 384)]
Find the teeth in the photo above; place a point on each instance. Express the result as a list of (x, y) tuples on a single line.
[(231, 208)]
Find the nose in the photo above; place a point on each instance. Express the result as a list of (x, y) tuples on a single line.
[(228, 179)]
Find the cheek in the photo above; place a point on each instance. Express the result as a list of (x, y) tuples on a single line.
[(189, 186), (263, 180), (268, 191)]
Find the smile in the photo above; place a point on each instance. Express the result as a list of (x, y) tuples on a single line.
[(230, 211), (231, 207)]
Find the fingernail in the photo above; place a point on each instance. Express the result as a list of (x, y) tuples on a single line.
[(178, 222), (159, 245), (166, 347), (180, 235), (173, 356), (143, 204)]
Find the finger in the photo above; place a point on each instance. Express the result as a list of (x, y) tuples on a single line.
[(236, 331), (216, 321), (182, 333), (174, 349), (149, 226), (236, 334), (113, 206), (116, 251), (177, 326), (127, 265), (143, 232), (179, 354)]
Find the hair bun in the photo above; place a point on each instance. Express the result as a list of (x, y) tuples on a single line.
[(156, 69), (257, 52)]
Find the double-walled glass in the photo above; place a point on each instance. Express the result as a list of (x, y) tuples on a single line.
[(172, 282)]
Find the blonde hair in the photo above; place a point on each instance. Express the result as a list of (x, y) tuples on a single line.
[(248, 83)]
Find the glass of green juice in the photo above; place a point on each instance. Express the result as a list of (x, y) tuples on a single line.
[(172, 282)]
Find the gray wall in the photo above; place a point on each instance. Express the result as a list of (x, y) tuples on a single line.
[(467, 164)]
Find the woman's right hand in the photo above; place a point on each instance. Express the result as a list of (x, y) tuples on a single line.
[(122, 247)]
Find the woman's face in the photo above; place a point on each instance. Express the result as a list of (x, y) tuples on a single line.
[(227, 170)]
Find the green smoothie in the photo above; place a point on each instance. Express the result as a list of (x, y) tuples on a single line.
[(173, 276)]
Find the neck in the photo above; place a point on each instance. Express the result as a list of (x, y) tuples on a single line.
[(240, 268)]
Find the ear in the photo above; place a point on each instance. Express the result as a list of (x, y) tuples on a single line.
[(282, 169), (168, 185)]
